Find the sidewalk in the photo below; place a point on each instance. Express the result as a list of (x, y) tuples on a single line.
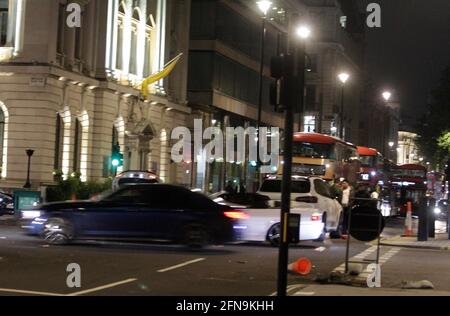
[(441, 242), (342, 290), (7, 220)]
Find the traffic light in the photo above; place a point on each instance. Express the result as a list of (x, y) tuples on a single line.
[(281, 68), (116, 157)]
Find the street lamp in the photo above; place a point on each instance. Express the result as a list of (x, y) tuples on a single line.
[(343, 77), (264, 6), (303, 32), (30, 153), (387, 95)]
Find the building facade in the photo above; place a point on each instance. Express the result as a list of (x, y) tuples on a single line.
[(408, 152), (71, 93), (224, 70)]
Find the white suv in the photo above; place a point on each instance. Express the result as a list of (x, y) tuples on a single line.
[(310, 192), (134, 177)]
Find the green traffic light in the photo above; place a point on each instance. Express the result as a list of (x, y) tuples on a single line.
[(115, 162)]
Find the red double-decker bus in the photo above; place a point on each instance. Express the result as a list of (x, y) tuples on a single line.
[(408, 182), (372, 169), (324, 156)]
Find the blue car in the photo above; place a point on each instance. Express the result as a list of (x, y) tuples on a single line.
[(154, 211)]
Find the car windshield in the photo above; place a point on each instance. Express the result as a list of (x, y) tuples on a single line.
[(313, 150), (274, 186)]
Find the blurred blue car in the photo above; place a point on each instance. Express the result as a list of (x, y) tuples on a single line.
[(155, 211)]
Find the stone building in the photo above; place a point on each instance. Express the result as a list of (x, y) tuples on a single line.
[(70, 93)]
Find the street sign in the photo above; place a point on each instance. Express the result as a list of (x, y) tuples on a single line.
[(366, 223)]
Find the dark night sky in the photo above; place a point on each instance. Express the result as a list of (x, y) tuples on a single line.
[(409, 51)]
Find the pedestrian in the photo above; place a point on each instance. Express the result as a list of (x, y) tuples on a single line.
[(230, 188), (336, 190), (346, 203)]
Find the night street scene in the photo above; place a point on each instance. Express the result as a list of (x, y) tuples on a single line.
[(248, 150)]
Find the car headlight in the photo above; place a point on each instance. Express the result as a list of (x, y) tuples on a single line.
[(437, 210), (31, 214)]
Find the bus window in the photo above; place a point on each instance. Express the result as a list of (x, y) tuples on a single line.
[(313, 150)]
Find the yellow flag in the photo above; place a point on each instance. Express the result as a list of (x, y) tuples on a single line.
[(159, 75)]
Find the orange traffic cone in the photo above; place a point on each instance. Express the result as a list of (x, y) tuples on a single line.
[(302, 266), (408, 221)]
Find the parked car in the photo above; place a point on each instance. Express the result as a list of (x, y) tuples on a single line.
[(155, 211), (262, 222), (134, 177), (309, 192), (6, 204)]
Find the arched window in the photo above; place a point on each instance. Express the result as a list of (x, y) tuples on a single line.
[(59, 143), (134, 41), (120, 25), (77, 146)]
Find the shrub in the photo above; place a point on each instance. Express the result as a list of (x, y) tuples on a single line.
[(74, 188)]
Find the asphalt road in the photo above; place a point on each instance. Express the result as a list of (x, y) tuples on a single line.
[(29, 267)]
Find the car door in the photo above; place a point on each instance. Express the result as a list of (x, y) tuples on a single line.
[(114, 216), (165, 206)]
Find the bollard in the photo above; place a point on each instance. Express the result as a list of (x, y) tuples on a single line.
[(422, 234), (431, 218)]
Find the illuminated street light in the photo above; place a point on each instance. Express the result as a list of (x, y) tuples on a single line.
[(343, 77), (387, 95), (264, 6), (303, 31)]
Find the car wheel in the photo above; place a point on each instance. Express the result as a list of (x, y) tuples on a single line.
[(336, 234), (273, 235), (195, 236), (57, 231)]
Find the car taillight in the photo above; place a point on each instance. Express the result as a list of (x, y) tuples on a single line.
[(307, 199), (316, 217), (236, 215)]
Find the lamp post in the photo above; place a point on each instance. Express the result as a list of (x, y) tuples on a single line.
[(343, 77), (387, 96), (391, 145), (293, 82), (303, 32), (264, 6), (30, 153)]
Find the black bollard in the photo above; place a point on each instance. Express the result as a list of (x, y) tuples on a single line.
[(431, 218), (422, 234)]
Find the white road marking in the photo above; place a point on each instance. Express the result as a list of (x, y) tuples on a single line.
[(320, 249), (29, 292), (3, 237), (181, 265), (107, 286)]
